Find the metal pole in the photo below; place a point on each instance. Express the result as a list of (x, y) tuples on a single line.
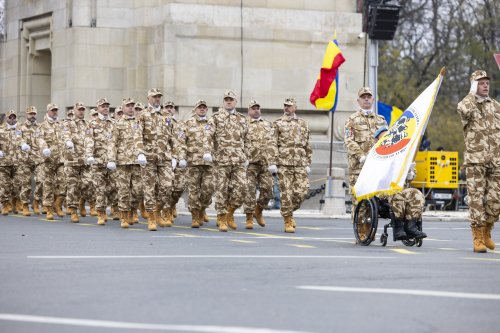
[(372, 69), (329, 178)]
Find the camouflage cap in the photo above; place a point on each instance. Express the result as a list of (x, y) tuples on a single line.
[(127, 101), (168, 103), (52, 106), (200, 102), (93, 112), (253, 102), (479, 74), (101, 101), (119, 109), (10, 113), (154, 92), (31, 109), (79, 105), (229, 93), (290, 101), (70, 112), (139, 105), (365, 90)]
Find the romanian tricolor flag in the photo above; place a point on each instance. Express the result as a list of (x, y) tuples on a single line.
[(391, 113), (325, 92)]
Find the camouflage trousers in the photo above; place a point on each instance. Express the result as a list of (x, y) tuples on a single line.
[(128, 180), (230, 186), (113, 193), (7, 178), (407, 204), (352, 181), (26, 172), (483, 190), (53, 181), (178, 186), (103, 185), (258, 176), (200, 185), (77, 185), (88, 191), (294, 184), (157, 183)]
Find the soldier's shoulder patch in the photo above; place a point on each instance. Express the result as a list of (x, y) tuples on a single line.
[(181, 134), (18, 132), (208, 127), (349, 133), (88, 131), (135, 126)]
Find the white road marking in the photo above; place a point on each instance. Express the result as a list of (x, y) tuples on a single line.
[(138, 326), (302, 246), (206, 256), (483, 259), (413, 292), (404, 251)]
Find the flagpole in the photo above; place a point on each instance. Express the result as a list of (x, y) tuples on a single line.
[(329, 178)]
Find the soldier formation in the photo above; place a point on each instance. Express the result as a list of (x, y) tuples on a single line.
[(143, 158)]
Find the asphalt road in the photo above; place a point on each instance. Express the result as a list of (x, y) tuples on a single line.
[(64, 277)]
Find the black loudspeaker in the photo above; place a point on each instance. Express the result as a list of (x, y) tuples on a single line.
[(382, 21)]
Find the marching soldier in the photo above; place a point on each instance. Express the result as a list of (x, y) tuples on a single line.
[(261, 136), (138, 109), (97, 138), (481, 122), (291, 160), (194, 151), (228, 135), (8, 162)]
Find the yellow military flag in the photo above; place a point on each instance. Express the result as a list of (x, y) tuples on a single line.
[(389, 160)]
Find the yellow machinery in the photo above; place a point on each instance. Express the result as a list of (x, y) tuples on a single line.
[(437, 176)]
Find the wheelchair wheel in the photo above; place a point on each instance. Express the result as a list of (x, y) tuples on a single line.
[(409, 241), (365, 221)]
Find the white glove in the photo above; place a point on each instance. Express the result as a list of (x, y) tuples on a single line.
[(207, 157), (182, 164), (141, 159), (308, 169), (46, 152), (362, 160), (91, 160), (1, 154), (174, 163), (273, 168), (411, 173), (111, 166), (246, 164), (25, 147), (70, 145)]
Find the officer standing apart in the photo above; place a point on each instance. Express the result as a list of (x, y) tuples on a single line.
[(229, 130), (291, 160), (480, 116), (359, 131), (260, 138)]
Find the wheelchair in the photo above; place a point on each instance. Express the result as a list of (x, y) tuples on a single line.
[(366, 216)]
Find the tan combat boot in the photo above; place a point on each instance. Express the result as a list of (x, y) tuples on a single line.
[(93, 211), (36, 207), (490, 244), (174, 212), (13, 206), (74, 215), (81, 207), (221, 222), (26, 210), (142, 208), (44, 210), (124, 220), (151, 220), (160, 218), (58, 206), (168, 216), (6, 207), (195, 217), (50, 213), (115, 212), (230, 217), (204, 215), (249, 221), (259, 217), (134, 218), (289, 224), (101, 217), (478, 241), (19, 204)]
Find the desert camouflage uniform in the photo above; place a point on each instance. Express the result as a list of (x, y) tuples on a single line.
[(98, 135), (53, 167), (9, 145), (179, 181), (78, 186), (155, 140), (292, 153), (228, 135), (194, 142), (128, 173), (481, 123), (261, 140), (409, 203)]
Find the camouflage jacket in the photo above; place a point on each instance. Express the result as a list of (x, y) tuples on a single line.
[(9, 145), (154, 137), (292, 142), (358, 138), (97, 138), (31, 134), (51, 131), (123, 149), (194, 141), (228, 134), (481, 124), (177, 129), (260, 141), (74, 131)]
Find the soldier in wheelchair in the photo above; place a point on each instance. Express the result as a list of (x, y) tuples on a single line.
[(404, 209)]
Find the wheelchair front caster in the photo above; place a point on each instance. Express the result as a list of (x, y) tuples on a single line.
[(419, 242), (383, 239)]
